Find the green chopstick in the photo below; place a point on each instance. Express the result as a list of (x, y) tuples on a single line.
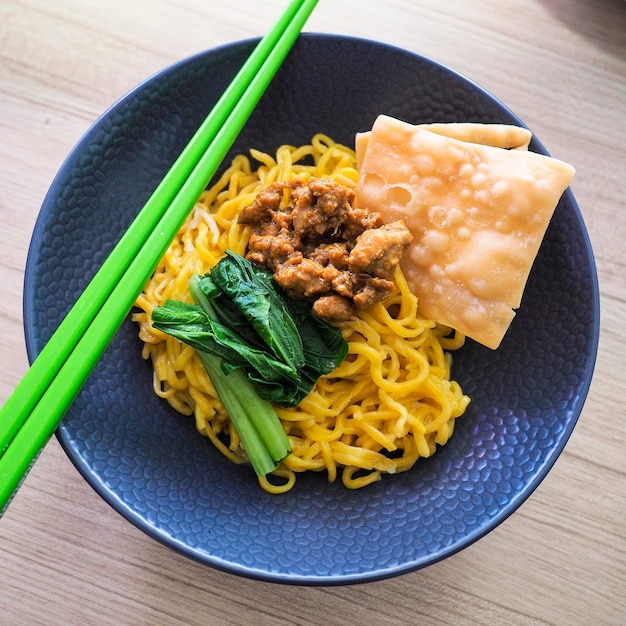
[(34, 410), (16, 410)]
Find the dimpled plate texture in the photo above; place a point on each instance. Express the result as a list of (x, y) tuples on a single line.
[(150, 464)]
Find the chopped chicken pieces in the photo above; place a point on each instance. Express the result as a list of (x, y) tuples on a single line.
[(320, 248)]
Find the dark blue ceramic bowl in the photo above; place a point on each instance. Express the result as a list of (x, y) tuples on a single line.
[(151, 465)]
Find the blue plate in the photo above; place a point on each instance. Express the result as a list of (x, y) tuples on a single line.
[(150, 464)]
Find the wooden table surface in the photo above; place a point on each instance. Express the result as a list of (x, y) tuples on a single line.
[(66, 557)]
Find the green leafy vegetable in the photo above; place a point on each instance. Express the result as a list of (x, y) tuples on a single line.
[(324, 346), (258, 348), (260, 320), (253, 291), (191, 324)]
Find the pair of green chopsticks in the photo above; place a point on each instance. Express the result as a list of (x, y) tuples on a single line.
[(34, 410)]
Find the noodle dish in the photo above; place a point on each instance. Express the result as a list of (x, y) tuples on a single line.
[(368, 343)]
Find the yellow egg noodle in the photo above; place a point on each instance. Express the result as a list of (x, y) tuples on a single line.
[(388, 404)]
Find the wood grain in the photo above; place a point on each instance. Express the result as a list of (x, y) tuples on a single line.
[(68, 558)]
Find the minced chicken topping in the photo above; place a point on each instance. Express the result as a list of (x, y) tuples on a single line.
[(322, 249)]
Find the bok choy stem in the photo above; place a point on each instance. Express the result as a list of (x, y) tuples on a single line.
[(261, 431), (232, 390)]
